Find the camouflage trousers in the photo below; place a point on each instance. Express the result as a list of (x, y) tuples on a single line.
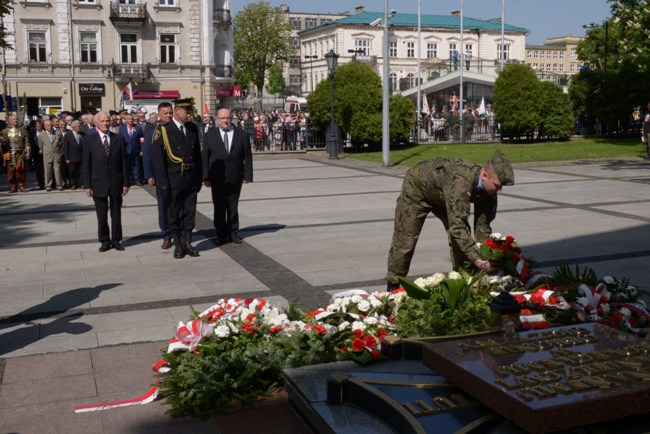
[(410, 214)]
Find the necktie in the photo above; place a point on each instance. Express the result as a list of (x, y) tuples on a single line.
[(225, 141), (182, 129), (106, 147)]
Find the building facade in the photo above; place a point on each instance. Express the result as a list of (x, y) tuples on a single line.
[(298, 72), (79, 55), (557, 60), (443, 51)]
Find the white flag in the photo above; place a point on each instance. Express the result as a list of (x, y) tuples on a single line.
[(481, 110), (425, 105)]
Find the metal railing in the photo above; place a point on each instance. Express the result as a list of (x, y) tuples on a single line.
[(131, 70), (225, 71), (221, 15), (128, 12)]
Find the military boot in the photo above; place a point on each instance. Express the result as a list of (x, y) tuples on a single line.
[(188, 248), (179, 252)]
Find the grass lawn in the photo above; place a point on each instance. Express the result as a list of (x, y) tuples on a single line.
[(576, 149)]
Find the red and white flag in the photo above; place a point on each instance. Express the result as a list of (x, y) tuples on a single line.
[(127, 93)]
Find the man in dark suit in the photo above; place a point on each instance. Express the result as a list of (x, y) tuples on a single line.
[(72, 150), (132, 133), (176, 159), (106, 179), (227, 164)]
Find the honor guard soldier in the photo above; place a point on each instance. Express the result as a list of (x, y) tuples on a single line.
[(176, 159), (447, 187), (15, 153)]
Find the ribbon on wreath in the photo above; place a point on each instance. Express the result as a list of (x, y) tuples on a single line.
[(189, 335), (594, 303), (533, 322), (148, 397)]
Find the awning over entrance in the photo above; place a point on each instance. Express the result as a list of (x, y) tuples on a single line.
[(156, 94), (450, 80)]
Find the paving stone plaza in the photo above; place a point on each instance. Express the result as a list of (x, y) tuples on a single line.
[(81, 327)]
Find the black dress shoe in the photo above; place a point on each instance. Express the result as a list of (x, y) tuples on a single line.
[(179, 252), (117, 245), (105, 247), (236, 239)]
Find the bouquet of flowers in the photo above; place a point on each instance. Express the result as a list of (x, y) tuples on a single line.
[(502, 249)]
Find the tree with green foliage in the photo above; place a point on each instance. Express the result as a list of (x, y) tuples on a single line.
[(358, 105), (555, 111), (402, 117), (516, 101), (276, 80), (261, 38), (6, 7), (631, 26)]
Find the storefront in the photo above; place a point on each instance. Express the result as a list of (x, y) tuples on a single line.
[(149, 99), (91, 97)]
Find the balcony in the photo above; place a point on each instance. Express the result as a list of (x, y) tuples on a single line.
[(221, 16), (131, 70), (223, 71), (128, 12)]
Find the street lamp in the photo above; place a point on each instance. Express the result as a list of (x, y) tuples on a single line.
[(332, 59), (311, 71), (614, 55)]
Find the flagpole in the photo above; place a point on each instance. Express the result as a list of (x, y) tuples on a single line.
[(419, 111), (462, 62), (503, 31)]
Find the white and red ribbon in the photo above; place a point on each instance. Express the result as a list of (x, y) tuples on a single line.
[(189, 335), (144, 399)]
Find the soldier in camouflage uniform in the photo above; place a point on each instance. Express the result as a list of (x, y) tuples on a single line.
[(447, 187)]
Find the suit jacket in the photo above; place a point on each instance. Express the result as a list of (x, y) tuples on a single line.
[(147, 162), (71, 149), (133, 142), (106, 176), (184, 146), (221, 167), (51, 148)]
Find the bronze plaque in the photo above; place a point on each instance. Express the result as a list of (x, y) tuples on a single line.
[(553, 379)]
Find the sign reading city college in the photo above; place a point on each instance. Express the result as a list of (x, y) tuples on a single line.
[(98, 89)]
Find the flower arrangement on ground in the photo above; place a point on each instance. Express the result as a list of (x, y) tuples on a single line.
[(236, 351)]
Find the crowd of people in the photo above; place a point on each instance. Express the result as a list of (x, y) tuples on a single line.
[(445, 125), (275, 130), (107, 153)]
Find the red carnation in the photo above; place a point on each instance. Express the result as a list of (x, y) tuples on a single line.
[(526, 312), (520, 298), (358, 344), (273, 330), (320, 329), (370, 341), (358, 333), (510, 239)]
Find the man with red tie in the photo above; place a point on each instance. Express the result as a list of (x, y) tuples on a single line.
[(106, 179)]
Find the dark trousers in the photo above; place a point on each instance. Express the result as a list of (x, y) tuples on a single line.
[(37, 160), (163, 209), (135, 166), (74, 171), (102, 206), (181, 211), (225, 198)]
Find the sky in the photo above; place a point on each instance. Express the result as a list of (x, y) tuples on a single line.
[(544, 18)]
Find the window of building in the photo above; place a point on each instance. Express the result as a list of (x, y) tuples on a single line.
[(555, 67), (452, 48), (310, 23), (572, 67), (554, 54), (573, 53), (294, 62), (548, 66), (393, 81), (392, 49), (534, 65), (503, 51), (432, 50), (88, 46), (362, 46), (296, 23), (37, 49), (410, 78), (469, 48), (326, 20), (294, 42), (535, 53), (561, 54), (167, 48), (127, 2), (294, 79), (167, 2), (86, 1), (410, 49), (562, 67), (529, 53), (128, 48)]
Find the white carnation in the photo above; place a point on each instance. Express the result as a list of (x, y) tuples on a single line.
[(371, 320), (453, 275), (222, 331), (608, 280), (363, 305), (496, 236), (344, 325), (358, 325)]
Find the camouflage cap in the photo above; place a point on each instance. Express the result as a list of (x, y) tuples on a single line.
[(503, 168)]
